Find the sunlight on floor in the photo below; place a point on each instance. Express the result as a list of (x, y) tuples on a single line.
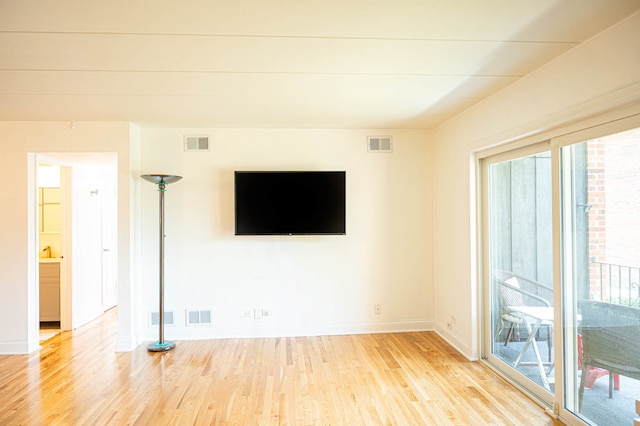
[(48, 330), (48, 334)]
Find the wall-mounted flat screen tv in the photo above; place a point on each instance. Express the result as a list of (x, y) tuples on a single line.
[(290, 202)]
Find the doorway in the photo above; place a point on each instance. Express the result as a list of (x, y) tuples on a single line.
[(50, 224), (84, 255)]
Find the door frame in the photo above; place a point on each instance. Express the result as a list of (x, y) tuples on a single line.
[(66, 162)]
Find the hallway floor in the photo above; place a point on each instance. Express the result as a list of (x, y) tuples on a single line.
[(49, 330)]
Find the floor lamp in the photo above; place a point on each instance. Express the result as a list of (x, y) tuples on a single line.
[(162, 181)]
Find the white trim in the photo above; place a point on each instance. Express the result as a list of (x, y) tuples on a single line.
[(456, 341), (201, 333), (605, 129), (125, 344), (17, 348)]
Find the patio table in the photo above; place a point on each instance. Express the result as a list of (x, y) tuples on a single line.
[(540, 315)]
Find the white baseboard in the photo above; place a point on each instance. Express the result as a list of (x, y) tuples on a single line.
[(455, 340), (201, 333), (16, 348), (125, 344)]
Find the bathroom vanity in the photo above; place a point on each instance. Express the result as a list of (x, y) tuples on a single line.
[(49, 289)]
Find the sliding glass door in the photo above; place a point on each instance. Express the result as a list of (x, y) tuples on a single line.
[(561, 271), (601, 275), (519, 306)]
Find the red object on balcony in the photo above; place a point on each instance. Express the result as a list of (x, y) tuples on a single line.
[(594, 373)]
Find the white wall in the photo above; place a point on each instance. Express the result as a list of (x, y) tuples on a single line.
[(18, 251), (311, 284), (597, 78)]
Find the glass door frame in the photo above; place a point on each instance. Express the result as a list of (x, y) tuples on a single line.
[(592, 128), (565, 297), (545, 397)]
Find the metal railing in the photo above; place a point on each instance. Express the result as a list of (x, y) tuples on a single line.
[(618, 284)]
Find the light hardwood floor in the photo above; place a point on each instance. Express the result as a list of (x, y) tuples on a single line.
[(379, 379)]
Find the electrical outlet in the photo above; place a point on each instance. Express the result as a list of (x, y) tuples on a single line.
[(266, 313), (377, 309), (247, 313)]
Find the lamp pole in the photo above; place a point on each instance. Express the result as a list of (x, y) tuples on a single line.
[(162, 181)]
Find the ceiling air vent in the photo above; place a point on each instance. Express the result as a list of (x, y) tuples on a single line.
[(379, 144), (196, 143)]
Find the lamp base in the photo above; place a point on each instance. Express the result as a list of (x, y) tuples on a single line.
[(161, 347)]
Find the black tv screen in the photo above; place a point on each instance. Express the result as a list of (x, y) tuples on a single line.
[(290, 202)]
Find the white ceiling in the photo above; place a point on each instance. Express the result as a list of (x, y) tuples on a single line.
[(278, 63)]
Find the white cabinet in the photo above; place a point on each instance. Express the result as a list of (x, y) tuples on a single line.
[(49, 291)]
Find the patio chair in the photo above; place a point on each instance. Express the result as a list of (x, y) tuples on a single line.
[(516, 290), (610, 340)]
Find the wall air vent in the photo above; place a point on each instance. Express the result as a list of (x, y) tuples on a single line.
[(198, 143), (154, 318), (379, 144), (199, 317)]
